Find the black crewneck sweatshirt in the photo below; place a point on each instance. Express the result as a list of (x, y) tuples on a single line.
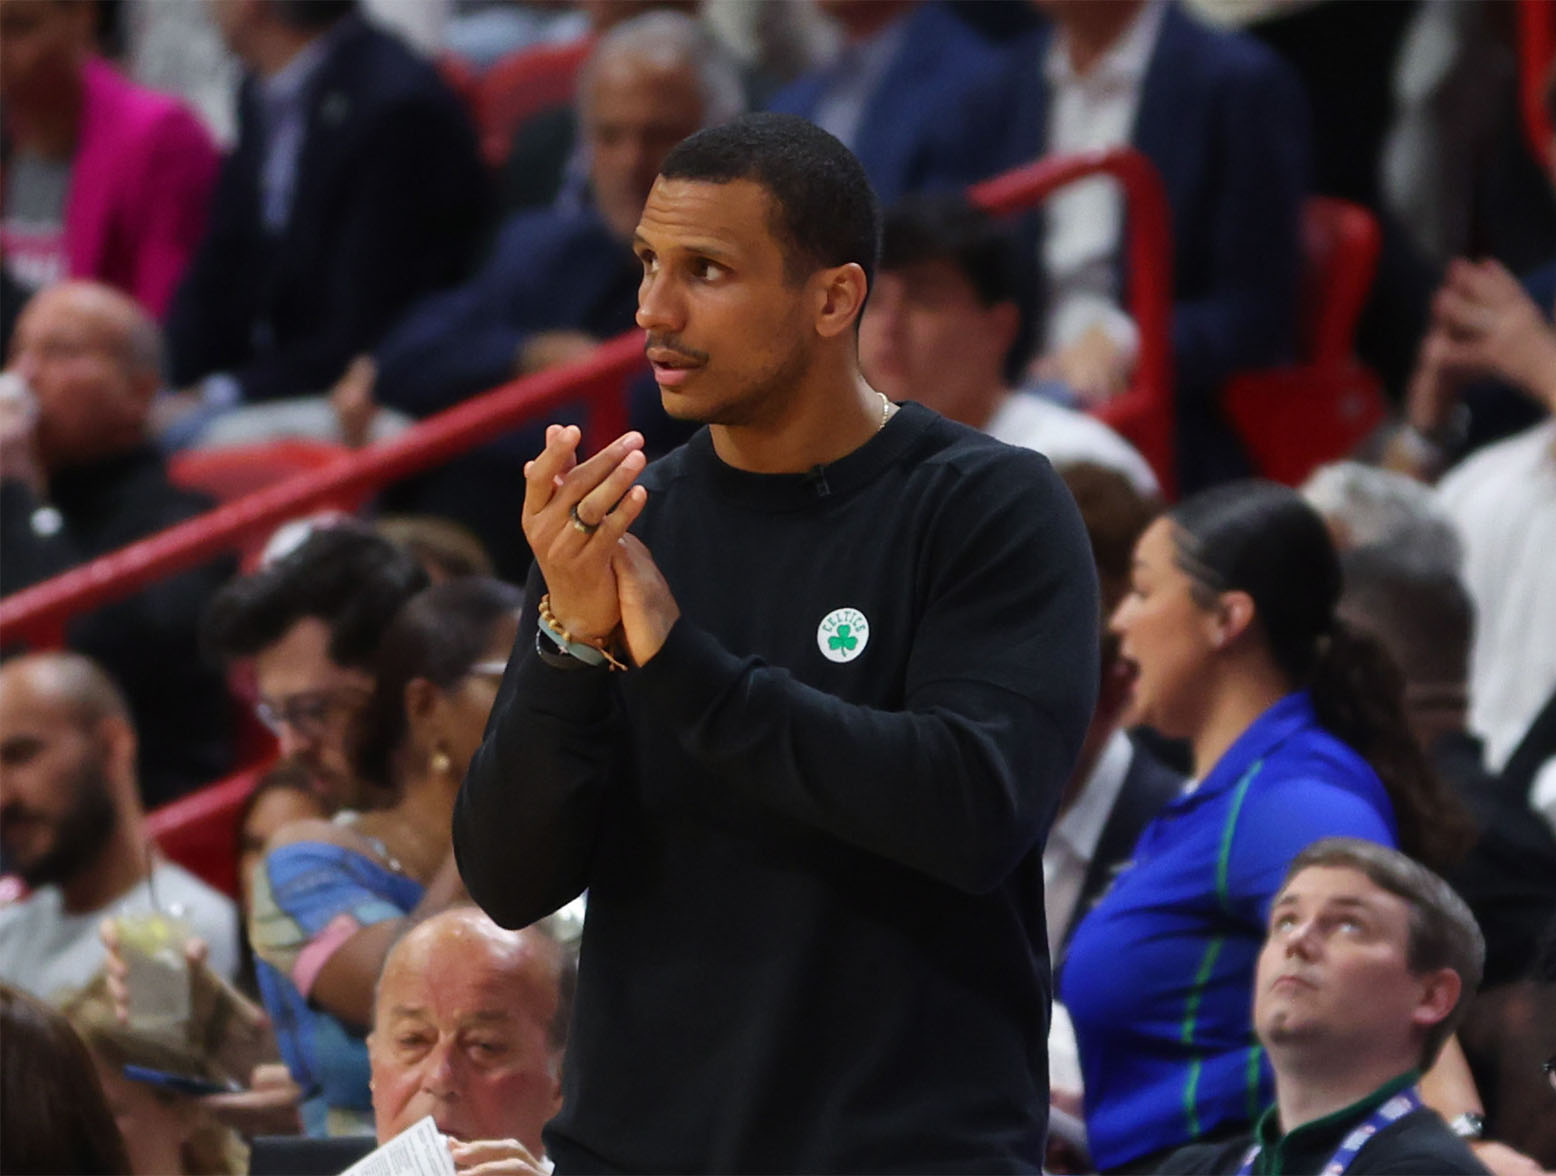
[(815, 938)]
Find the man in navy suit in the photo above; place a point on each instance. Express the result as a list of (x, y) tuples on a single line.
[(901, 63), (354, 188), (1226, 124), (559, 279)]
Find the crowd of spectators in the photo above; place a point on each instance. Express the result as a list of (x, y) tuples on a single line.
[(328, 249)]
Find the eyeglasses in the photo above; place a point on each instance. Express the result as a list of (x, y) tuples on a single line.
[(307, 713)]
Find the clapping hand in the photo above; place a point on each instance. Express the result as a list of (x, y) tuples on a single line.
[(574, 515)]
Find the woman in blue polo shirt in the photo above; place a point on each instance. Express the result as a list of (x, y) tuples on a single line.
[(1297, 731)]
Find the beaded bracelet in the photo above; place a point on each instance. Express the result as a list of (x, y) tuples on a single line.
[(571, 645)]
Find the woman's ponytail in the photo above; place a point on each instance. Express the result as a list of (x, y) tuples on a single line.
[(1358, 694)]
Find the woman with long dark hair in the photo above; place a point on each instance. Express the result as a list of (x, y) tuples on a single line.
[(330, 897), (1297, 731)]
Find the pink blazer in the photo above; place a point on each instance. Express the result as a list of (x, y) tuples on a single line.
[(140, 185)]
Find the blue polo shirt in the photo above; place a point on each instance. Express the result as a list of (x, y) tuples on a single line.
[(1159, 976)]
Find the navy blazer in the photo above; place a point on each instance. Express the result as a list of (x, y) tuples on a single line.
[(551, 269), (939, 59), (1226, 123), (1148, 784), (389, 203)]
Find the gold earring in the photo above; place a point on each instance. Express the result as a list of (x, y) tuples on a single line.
[(441, 764)]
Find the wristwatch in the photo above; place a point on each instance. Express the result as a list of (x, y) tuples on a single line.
[(562, 657), (1469, 1125)]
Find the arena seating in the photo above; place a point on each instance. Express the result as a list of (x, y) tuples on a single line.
[(1294, 418), (199, 830)]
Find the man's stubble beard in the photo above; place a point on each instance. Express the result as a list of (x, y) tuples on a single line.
[(81, 833), (762, 401)]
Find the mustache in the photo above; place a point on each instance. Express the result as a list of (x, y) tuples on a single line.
[(671, 343), (13, 812)]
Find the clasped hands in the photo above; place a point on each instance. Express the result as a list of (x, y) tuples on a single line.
[(605, 587)]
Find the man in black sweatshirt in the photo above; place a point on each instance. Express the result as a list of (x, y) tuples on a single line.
[(859, 652)]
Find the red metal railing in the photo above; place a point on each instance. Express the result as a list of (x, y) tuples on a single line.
[(38, 614), (1536, 51), (1144, 414)]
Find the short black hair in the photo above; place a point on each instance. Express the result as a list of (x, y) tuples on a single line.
[(992, 255), (345, 575), (824, 211)]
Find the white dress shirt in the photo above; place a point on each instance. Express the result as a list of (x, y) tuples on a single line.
[(1085, 219), (1073, 842), (1503, 501), (1064, 435)]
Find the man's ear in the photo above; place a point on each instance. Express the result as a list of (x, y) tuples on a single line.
[(1005, 323), (842, 291), (1440, 991), (115, 736)]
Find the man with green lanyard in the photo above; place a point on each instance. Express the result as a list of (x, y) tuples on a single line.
[(1369, 963)]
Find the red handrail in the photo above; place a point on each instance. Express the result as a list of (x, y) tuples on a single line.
[(1145, 412), (1536, 51), (38, 614)]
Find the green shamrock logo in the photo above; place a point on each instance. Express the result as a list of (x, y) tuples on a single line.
[(843, 639)]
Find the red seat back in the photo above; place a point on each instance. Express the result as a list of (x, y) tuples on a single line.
[(200, 831), (521, 85), (1536, 57), (1340, 244), (1294, 418)]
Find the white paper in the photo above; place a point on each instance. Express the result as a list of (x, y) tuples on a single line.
[(419, 1150)]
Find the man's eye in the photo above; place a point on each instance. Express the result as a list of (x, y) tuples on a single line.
[(412, 1041), (706, 270)]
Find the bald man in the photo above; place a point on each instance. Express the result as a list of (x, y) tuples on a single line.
[(71, 825), (78, 479), (469, 1027)]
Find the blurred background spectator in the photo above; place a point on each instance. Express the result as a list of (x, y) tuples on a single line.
[(329, 898), (167, 1132), (79, 478), (1225, 123), (102, 178), (72, 827), (1297, 732), (54, 1116), (307, 628), (948, 325), (354, 187), (897, 62), (558, 280)]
